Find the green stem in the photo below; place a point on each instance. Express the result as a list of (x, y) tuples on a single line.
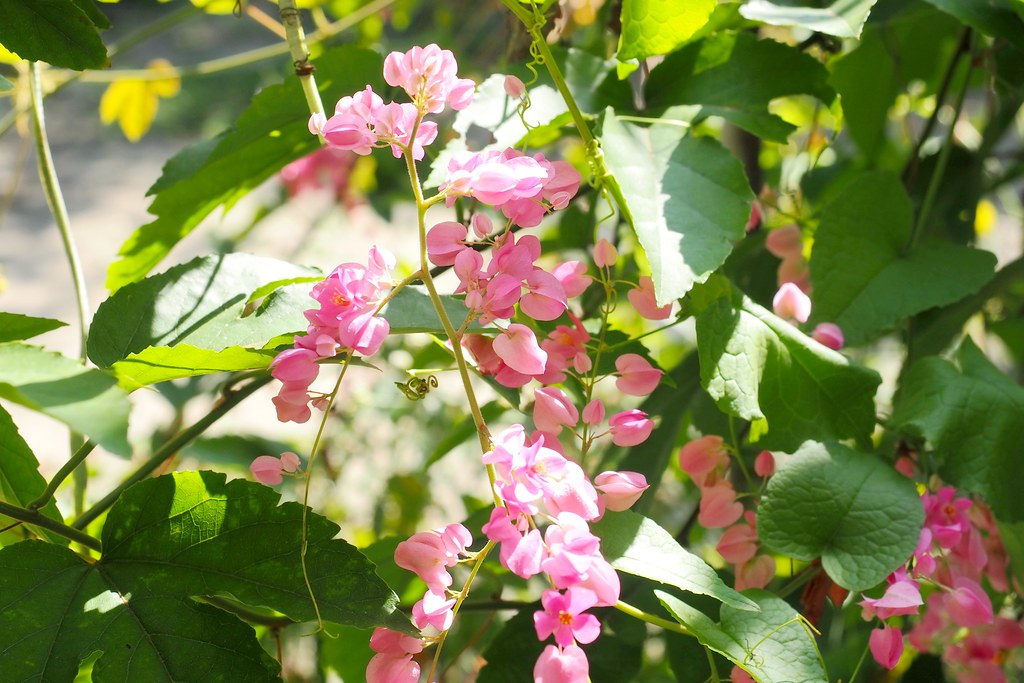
[(70, 466), (300, 55), (940, 164), (672, 626), (54, 197), (36, 518), (230, 399)]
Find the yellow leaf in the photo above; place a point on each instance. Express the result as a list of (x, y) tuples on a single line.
[(218, 6), (985, 216), (133, 102), (170, 84), (8, 57)]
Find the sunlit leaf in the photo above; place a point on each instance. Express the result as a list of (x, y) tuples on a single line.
[(656, 27), (133, 102)]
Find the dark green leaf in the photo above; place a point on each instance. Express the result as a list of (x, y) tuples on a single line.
[(15, 327), (992, 17), (636, 545), (411, 312), (772, 644), (59, 609), (201, 303), (657, 27), (870, 294), (971, 414), (843, 18), (854, 511), (20, 481), (688, 198), (54, 31), (268, 135), (86, 400), (89, 8), (757, 366)]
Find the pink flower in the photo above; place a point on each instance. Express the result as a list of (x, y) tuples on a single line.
[(445, 241), (886, 645), (517, 347), (794, 270), (828, 334), (903, 596), (562, 665), (605, 254), (482, 225), (738, 544), (718, 506), (428, 76), (553, 409), (593, 413), (386, 641), (637, 377), (564, 617), (545, 299), (968, 604), (785, 242), (630, 427), (764, 464), (700, 457), (388, 668), (643, 299), (738, 675), (946, 516), (425, 555), (434, 610), (514, 87), (267, 470), (620, 490), (573, 277), (757, 573), (791, 303)]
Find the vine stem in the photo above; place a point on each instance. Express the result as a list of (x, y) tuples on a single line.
[(36, 518), (230, 399), (73, 462), (300, 55)]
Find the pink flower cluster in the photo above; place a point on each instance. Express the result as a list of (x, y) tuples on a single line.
[(707, 461), (270, 470), (346, 320), (363, 121), (959, 548)]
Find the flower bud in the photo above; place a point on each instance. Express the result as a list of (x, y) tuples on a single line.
[(605, 254)]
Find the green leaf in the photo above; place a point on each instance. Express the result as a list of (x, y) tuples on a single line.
[(872, 293), (201, 303), (59, 609), (162, 363), (86, 400), (657, 27), (757, 366), (854, 511), (412, 312), (89, 8), (54, 31), (268, 135), (772, 644), (15, 326), (636, 545), (688, 199), (843, 18), (725, 74), (971, 414), (20, 481), (992, 17)]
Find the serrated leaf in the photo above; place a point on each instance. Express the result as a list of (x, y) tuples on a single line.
[(269, 134), (86, 400), (771, 644), (20, 481), (992, 17), (870, 294), (89, 8), (757, 366), (854, 511), (637, 545), (15, 326), (162, 363), (687, 198), (971, 414), (201, 303), (54, 31), (59, 609), (843, 18), (657, 27), (411, 312)]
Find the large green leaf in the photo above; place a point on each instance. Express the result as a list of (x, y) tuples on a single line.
[(86, 400), (202, 303), (864, 282), (993, 17), (657, 27), (725, 74), (411, 312), (772, 644), (20, 481), (53, 31), (166, 540), (843, 18), (15, 326), (971, 414), (636, 545), (854, 511), (268, 135), (161, 363), (687, 198), (759, 367)]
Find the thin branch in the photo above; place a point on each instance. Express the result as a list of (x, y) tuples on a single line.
[(36, 518)]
